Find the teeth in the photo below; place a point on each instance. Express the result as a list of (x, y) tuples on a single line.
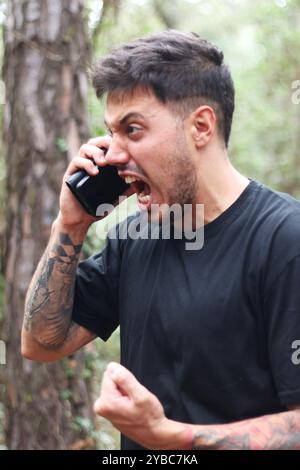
[(144, 197), (130, 179)]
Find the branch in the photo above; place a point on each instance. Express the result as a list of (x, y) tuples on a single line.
[(166, 12), (108, 5)]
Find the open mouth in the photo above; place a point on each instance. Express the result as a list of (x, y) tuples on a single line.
[(141, 188)]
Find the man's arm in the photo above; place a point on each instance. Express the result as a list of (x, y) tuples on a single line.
[(139, 415), (48, 332), (280, 431)]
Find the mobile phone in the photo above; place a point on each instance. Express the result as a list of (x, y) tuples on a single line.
[(91, 191)]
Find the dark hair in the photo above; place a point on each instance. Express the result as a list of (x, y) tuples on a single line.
[(180, 68)]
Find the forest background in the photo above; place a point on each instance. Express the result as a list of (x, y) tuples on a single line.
[(48, 109)]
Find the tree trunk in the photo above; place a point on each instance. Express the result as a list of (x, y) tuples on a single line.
[(46, 53)]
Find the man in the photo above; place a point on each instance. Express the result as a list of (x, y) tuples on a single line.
[(207, 336)]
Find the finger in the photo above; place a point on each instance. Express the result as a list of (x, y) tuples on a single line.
[(106, 404), (109, 387), (80, 163), (127, 382), (103, 141), (91, 151)]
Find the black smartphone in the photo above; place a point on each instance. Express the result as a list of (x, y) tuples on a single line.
[(91, 191)]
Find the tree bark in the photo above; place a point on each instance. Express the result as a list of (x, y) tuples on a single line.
[(46, 54)]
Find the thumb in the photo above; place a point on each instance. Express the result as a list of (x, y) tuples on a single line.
[(126, 381)]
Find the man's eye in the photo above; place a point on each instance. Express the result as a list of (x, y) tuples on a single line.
[(133, 129)]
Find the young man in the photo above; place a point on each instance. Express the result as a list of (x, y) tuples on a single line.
[(208, 336)]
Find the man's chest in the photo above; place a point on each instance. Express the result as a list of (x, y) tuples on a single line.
[(184, 295)]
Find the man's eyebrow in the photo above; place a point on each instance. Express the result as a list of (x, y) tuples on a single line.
[(130, 115)]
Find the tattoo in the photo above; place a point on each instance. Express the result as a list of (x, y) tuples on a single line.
[(49, 302), (272, 432)]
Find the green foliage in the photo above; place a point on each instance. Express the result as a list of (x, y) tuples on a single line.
[(68, 369), (61, 144), (65, 395), (80, 424)]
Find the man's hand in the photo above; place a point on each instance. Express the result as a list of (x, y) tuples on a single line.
[(139, 415), (71, 212), (131, 408)]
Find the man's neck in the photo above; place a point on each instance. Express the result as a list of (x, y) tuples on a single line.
[(220, 185)]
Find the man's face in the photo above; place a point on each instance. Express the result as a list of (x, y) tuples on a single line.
[(148, 143)]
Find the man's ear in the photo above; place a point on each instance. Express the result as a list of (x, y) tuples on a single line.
[(203, 125)]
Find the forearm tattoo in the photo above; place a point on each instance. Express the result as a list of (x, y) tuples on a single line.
[(272, 432), (49, 302)]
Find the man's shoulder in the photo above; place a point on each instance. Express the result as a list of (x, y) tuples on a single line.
[(288, 202), (279, 209), (279, 221)]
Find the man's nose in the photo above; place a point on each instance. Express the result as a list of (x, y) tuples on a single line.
[(116, 153)]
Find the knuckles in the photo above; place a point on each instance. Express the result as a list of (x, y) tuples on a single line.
[(103, 408)]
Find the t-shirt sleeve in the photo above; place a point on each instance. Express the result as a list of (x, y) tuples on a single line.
[(96, 291), (282, 314)]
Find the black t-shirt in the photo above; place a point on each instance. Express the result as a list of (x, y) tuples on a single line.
[(208, 331)]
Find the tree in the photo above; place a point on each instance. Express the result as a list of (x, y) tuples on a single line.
[(45, 59)]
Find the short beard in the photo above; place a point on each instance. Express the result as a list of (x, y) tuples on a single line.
[(184, 172)]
